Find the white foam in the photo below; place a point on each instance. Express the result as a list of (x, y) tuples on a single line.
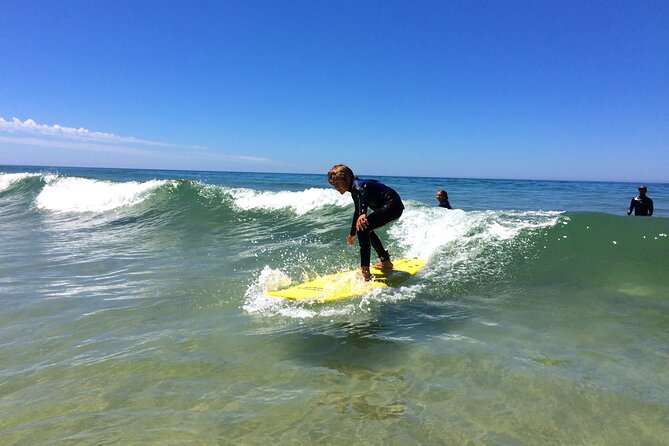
[(7, 179), (269, 279), (272, 280), (257, 302), (421, 232), (506, 225), (300, 202), (86, 195), (424, 231)]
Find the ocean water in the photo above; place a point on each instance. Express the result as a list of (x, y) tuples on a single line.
[(133, 312)]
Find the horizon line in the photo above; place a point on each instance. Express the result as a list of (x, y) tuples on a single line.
[(324, 174)]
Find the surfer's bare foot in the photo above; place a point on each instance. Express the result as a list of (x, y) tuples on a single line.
[(365, 273), (386, 264)]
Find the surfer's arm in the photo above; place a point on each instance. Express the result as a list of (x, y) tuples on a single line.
[(650, 207), (360, 197), (359, 222), (629, 211), (356, 213)]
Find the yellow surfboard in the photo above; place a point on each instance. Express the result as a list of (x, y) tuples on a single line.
[(350, 283)]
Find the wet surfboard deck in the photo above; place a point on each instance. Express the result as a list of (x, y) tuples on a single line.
[(349, 284)]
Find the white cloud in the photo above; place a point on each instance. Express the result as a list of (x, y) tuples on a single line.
[(86, 146), (31, 133), (30, 126)]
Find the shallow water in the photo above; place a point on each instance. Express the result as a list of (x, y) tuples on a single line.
[(134, 313)]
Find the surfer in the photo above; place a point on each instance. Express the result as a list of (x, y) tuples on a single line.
[(442, 198), (367, 194), (642, 205)]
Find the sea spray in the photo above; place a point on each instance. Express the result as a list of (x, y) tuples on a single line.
[(459, 247)]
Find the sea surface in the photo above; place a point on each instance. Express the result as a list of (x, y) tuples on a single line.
[(133, 313)]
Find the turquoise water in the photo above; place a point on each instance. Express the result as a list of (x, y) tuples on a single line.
[(133, 312)]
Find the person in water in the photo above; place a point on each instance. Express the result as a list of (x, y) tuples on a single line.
[(641, 205), (442, 198), (367, 194)]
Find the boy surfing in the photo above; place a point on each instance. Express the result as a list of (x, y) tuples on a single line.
[(367, 194)]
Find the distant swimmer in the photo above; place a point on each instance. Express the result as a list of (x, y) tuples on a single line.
[(367, 194), (442, 198), (641, 205)]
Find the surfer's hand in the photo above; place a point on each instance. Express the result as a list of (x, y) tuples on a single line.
[(362, 223), (350, 239)]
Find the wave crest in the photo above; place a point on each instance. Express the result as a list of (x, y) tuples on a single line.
[(9, 180), (300, 202), (66, 194)]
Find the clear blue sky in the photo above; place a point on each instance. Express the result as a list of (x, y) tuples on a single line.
[(485, 89)]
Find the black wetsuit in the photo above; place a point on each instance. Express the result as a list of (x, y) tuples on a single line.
[(387, 206), (642, 206), (445, 204)]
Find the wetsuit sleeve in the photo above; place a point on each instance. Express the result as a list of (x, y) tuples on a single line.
[(360, 199), (629, 211), (650, 207), (356, 213)]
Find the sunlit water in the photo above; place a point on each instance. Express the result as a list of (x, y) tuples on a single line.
[(133, 312)]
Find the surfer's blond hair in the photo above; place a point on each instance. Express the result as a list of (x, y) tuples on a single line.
[(340, 171)]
